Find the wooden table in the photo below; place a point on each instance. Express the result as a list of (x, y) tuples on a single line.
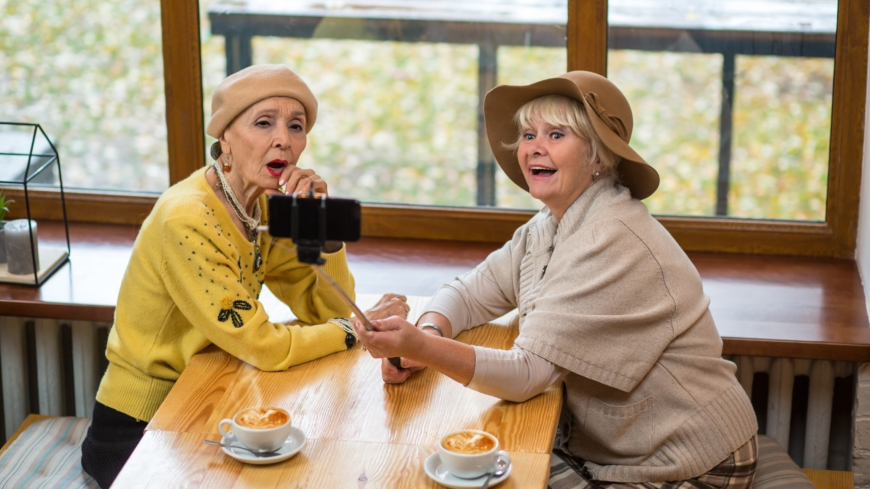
[(360, 432)]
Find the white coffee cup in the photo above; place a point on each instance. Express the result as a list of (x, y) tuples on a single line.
[(471, 465), (256, 428)]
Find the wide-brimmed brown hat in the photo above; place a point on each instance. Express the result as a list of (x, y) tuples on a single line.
[(607, 109)]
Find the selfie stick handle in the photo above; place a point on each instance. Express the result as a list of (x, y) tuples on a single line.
[(396, 361), (344, 297)]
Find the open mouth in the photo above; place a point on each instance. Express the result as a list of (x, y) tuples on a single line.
[(542, 171), (276, 167)]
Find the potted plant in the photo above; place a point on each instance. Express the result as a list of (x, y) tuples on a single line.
[(4, 209)]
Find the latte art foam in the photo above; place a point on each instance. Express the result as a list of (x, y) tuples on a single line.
[(468, 443), (262, 418)]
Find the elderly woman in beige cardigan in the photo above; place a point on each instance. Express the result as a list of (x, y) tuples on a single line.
[(607, 302)]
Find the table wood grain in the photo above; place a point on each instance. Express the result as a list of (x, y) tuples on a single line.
[(357, 426), (168, 459)]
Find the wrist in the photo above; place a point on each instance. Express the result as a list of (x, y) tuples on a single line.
[(417, 348), (437, 319), (431, 328), (350, 338)]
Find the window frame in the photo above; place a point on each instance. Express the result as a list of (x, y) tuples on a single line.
[(587, 50)]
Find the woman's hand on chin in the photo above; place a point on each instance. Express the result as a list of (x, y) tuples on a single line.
[(299, 180)]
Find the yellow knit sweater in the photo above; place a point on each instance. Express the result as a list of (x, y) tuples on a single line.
[(191, 282)]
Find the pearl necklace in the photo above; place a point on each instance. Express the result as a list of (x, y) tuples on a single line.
[(250, 223)]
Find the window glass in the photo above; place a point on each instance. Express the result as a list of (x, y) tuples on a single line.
[(399, 85), (780, 154), (90, 73), (731, 100)]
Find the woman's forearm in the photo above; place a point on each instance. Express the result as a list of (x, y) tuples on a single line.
[(450, 357), (514, 375)]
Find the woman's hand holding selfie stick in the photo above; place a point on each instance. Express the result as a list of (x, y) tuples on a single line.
[(418, 348), (309, 251)]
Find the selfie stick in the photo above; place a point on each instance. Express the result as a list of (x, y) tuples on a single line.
[(332, 283), (396, 361), (344, 297), (309, 252)]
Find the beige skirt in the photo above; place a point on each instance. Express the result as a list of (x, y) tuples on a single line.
[(735, 472)]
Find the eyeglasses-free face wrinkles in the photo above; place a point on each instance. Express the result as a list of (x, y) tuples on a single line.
[(264, 141), (554, 165)]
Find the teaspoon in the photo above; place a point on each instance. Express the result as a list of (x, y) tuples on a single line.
[(501, 466), (271, 453)]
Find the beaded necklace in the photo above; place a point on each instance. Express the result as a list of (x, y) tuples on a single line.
[(249, 222)]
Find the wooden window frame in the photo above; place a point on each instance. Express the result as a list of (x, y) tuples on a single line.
[(587, 50)]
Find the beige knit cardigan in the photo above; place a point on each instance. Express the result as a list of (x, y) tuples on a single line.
[(609, 295)]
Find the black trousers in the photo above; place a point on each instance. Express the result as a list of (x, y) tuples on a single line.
[(111, 440)]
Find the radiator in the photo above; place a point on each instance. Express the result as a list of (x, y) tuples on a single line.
[(805, 405), (54, 367), (49, 367)]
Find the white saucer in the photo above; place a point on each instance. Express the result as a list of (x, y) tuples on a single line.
[(295, 442), (438, 473)]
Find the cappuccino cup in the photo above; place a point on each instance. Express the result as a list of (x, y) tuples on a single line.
[(263, 428), (469, 454)]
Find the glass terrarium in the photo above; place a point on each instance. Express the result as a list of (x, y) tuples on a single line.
[(29, 169)]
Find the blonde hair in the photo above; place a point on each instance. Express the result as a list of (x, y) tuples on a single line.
[(560, 110)]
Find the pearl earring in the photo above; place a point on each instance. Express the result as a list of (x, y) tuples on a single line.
[(228, 162), (595, 175)]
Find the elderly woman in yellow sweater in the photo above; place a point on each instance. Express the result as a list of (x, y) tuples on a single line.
[(199, 265), (607, 303)]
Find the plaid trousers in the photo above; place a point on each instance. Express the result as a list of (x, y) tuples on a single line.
[(735, 472)]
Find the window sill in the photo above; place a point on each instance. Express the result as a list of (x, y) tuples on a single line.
[(484, 225), (797, 307)]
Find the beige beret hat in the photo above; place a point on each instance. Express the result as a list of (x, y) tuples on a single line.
[(608, 111), (247, 87)]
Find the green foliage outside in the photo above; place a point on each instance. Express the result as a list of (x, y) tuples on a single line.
[(91, 73), (400, 130), (675, 100), (782, 120), (782, 130), (398, 121)]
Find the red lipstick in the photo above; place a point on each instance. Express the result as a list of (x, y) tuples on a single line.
[(276, 167)]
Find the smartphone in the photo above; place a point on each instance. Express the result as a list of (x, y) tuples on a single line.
[(343, 218)]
